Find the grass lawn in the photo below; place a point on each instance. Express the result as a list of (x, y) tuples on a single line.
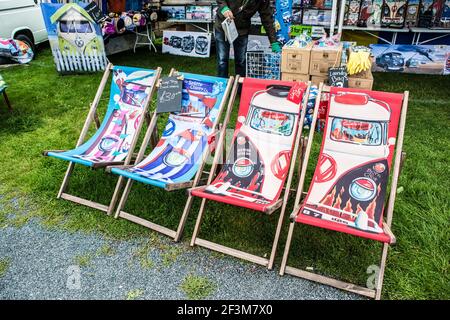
[(49, 112)]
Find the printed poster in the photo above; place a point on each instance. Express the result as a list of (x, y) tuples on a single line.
[(75, 39), (184, 43)]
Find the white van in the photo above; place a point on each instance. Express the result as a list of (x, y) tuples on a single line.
[(22, 20)]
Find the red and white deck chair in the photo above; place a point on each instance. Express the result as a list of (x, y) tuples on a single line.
[(363, 133), (115, 139), (260, 160)]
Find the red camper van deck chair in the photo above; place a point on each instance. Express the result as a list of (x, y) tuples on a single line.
[(255, 170), (348, 189)]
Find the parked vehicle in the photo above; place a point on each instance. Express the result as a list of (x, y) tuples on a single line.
[(22, 20)]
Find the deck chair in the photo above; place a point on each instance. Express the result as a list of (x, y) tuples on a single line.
[(261, 158), (116, 137), (3, 87), (178, 159), (363, 133)]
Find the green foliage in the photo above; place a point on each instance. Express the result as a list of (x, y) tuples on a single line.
[(197, 287)]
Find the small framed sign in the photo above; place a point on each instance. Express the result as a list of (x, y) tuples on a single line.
[(95, 12), (169, 95), (338, 77)]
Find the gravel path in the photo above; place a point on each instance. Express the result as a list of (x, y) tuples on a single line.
[(43, 264)]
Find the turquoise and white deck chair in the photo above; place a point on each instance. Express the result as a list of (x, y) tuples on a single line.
[(178, 159), (115, 139)]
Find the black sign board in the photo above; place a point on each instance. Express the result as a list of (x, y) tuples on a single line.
[(338, 77), (169, 95), (94, 11)]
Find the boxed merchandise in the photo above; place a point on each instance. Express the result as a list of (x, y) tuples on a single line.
[(316, 80), (296, 60), (287, 76), (362, 80), (323, 58)]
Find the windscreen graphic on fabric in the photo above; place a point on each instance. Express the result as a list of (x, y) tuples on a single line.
[(130, 91), (179, 152), (348, 189), (258, 161)]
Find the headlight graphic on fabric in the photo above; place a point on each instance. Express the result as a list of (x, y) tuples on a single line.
[(363, 189)]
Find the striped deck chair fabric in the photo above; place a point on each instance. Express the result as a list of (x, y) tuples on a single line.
[(179, 153)]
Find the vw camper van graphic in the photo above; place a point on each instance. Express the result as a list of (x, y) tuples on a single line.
[(351, 178), (260, 153), (131, 94), (75, 30), (185, 137)]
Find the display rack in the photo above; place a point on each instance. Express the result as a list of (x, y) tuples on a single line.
[(263, 65), (371, 30), (418, 32), (197, 23)]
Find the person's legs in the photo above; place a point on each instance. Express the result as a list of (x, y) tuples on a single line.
[(240, 50), (223, 53)]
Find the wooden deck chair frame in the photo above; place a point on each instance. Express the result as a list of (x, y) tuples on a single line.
[(281, 203), (176, 235), (92, 116), (398, 163), (5, 97)]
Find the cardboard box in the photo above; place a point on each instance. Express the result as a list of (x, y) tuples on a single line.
[(316, 80), (296, 60), (323, 58), (286, 76), (362, 80)]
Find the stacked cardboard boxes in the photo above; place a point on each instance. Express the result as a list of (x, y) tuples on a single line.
[(309, 63), (323, 58), (295, 63)]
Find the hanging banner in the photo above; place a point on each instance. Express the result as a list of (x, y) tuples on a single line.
[(75, 39), (282, 17)]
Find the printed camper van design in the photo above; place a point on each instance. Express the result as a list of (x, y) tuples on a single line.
[(258, 161), (131, 92), (75, 38), (185, 138), (350, 180)]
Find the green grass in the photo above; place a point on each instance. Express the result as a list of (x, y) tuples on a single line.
[(197, 287), (4, 266), (49, 111), (134, 294), (83, 260)]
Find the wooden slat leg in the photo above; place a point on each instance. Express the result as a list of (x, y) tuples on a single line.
[(66, 179), (183, 219), (198, 222), (115, 195), (276, 238), (379, 288), (287, 248), (124, 197), (7, 100)]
